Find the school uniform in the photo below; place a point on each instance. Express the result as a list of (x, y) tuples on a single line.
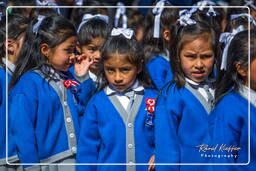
[(117, 130), (181, 124), (87, 91), (159, 70), (12, 155), (229, 127), (44, 119)]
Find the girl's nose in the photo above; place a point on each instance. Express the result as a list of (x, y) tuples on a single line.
[(118, 78), (199, 63)]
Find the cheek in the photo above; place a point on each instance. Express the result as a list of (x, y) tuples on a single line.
[(186, 65), (209, 64)]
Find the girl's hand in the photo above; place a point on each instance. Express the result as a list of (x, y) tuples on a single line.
[(81, 64), (151, 163)]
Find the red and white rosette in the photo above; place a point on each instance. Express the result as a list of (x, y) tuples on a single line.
[(150, 105), (69, 82)]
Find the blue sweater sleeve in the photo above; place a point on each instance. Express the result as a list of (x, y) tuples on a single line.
[(22, 114), (89, 140), (167, 147)]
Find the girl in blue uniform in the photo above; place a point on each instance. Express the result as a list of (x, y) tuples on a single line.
[(117, 125), (159, 26), (92, 33), (17, 25), (184, 105), (230, 118), (43, 99)]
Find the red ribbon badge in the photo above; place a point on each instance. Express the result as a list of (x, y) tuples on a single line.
[(68, 83), (150, 105)]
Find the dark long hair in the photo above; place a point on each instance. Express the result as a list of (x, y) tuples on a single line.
[(237, 52), (153, 46), (17, 25), (52, 31), (134, 55), (183, 35)]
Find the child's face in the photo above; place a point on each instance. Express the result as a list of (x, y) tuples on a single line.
[(197, 58), (92, 50), (119, 72), (253, 75), (59, 55)]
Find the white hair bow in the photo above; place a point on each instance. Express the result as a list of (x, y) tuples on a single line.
[(126, 32), (185, 18), (157, 11), (121, 11), (79, 2), (209, 4), (226, 38), (250, 3), (36, 26), (48, 3), (250, 18), (88, 17)]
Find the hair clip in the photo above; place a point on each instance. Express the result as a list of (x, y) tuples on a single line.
[(185, 18), (157, 11), (248, 16), (120, 11), (88, 17), (36, 26), (226, 38), (126, 32)]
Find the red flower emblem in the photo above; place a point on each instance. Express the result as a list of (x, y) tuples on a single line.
[(150, 105), (69, 82)]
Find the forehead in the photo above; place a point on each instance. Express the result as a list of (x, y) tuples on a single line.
[(71, 41), (117, 59), (197, 42), (98, 41)]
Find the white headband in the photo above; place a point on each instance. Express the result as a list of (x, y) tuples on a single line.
[(36, 26), (121, 11), (250, 18), (88, 17), (227, 38), (157, 11), (126, 32)]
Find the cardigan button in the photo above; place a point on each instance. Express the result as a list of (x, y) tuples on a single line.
[(130, 164), (68, 119), (65, 103), (130, 145), (130, 125), (72, 135), (73, 149)]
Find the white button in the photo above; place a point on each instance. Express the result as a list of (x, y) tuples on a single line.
[(73, 149), (130, 145), (129, 125), (71, 135), (68, 119), (65, 103), (131, 163)]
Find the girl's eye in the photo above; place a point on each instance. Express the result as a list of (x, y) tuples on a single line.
[(110, 70), (70, 50), (207, 56), (126, 69), (190, 56), (92, 49)]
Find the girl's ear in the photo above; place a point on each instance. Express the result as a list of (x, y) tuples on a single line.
[(45, 49), (241, 70), (166, 34)]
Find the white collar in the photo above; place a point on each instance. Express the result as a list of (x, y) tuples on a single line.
[(9, 64), (92, 76), (244, 91), (135, 87)]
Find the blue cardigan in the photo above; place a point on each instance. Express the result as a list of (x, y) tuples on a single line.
[(110, 135), (12, 155), (44, 119), (181, 125), (229, 126), (159, 70)]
